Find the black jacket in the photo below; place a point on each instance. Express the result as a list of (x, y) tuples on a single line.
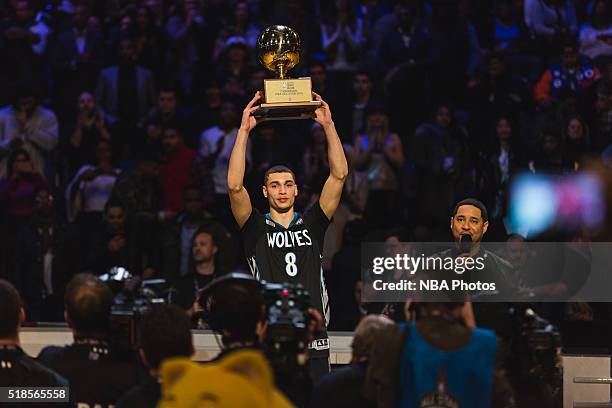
[(144, 395), (17, 369), (342, 388), (99, 374)]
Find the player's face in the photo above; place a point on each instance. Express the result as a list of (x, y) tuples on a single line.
[(203, 249), (468, 221), (280, 190)]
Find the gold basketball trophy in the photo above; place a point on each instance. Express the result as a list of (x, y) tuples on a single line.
[(279, 48)]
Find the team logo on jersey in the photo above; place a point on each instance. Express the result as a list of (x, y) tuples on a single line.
[(439, 398), (319, 344), (289, 239)]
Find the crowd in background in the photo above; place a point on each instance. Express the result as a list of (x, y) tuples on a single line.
[(119, 117)]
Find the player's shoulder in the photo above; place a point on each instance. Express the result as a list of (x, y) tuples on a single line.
[(315, 213)]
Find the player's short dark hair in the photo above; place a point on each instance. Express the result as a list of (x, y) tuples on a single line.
[(10, 306), (88, 303), (277, 169), (165, 331), (476, 203)]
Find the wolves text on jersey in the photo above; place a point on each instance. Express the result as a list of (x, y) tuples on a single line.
[(289, 239)]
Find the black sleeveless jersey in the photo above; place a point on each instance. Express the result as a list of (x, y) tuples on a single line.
[(278, 254)]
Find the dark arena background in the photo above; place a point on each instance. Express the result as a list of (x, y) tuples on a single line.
[(162, 244)]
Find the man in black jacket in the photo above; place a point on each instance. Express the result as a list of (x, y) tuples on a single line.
[(17, 369), (45, 260), (99, 370)]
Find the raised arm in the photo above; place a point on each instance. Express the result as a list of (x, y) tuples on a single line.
[(239, 197), (338, 167)]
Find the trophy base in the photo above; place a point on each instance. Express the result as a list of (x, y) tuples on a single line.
[(286, 110)]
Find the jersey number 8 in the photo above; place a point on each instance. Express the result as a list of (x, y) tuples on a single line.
[(290, 267)]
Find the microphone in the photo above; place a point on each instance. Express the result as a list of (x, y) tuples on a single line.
[(465, 243)]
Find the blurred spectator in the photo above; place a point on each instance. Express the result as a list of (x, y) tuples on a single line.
[(19, 370), (550, 20), (27, 125), (17, 201), (115, 244), (202, 271), (509, 34), (342, 36), (501, 161), (178, 237), (298, 14), (596, 34), (216, 145), (404, 57), (18, 189), (206, 115), (372, 10), (454, 43), (167, 112), (318, 75), (379, 153), (149, 41), (441, 155), (552, 156), (233, 66), (126, 92), (408, 44), (111, 368), (91, 187), (496, 93), (24, 41), (603, 112), (240, 23), (45, 260), (91, 127), (76, 61), (445, 358), (572, 73), (164, 332), (576, 138), (361, 99), (176, 168), (157, 11), (190, 44), (139, 192), (346, 387)]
